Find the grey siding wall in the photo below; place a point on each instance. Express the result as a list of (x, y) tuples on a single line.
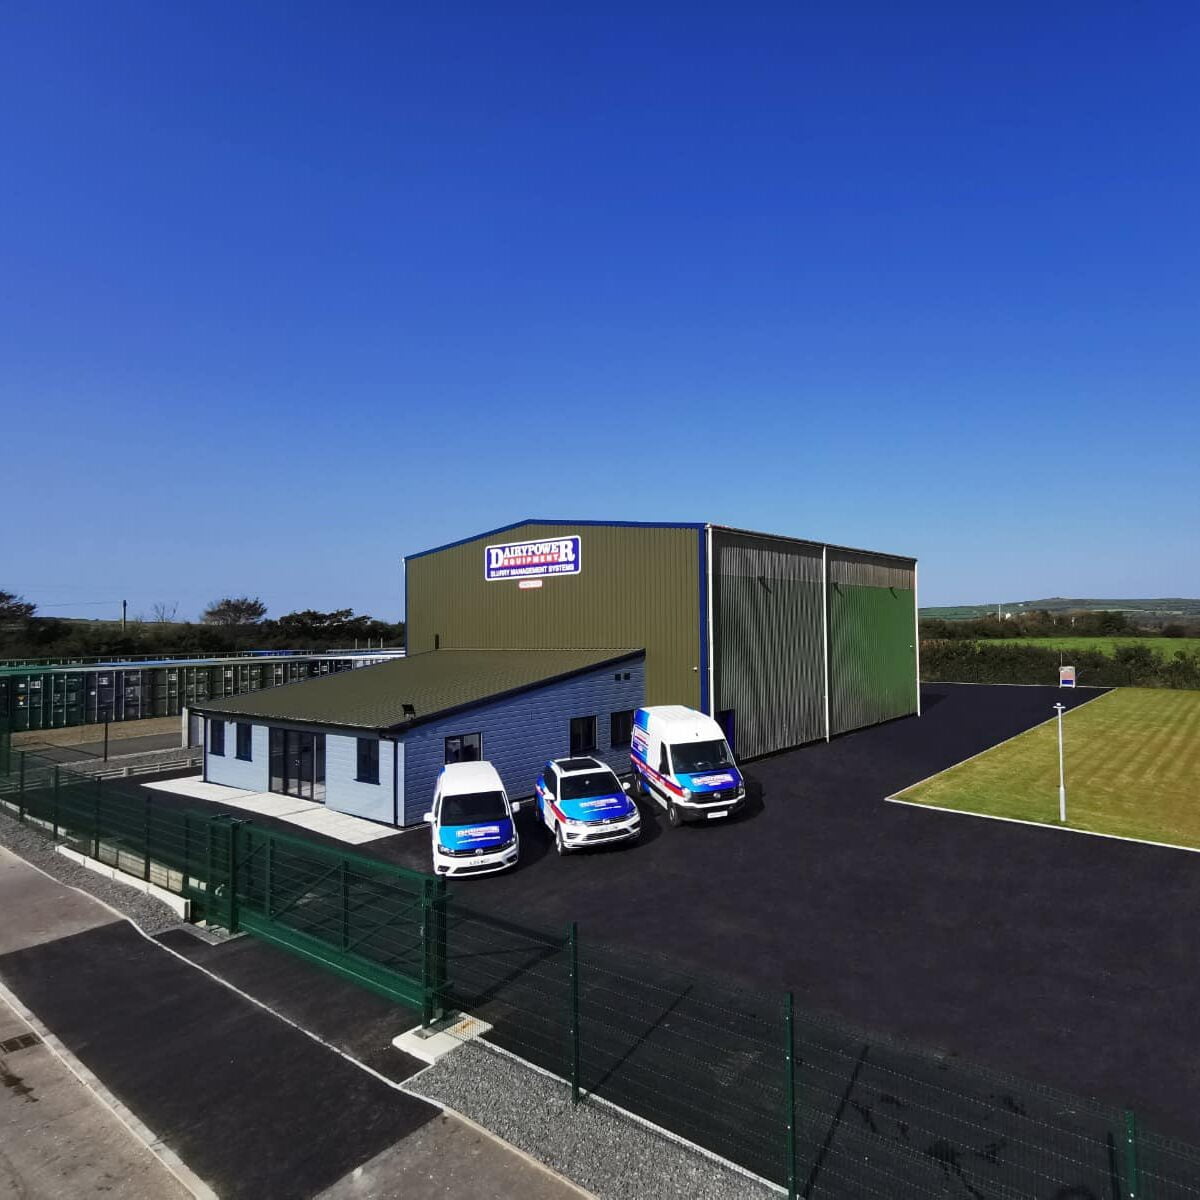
[(343, 791), (520, 733), (768, 640), (231, 770)]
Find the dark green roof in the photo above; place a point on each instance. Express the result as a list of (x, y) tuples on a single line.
[(432, 683)]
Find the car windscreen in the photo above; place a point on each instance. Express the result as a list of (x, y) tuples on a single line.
[(689, 757), (473, 807), (594, 783)]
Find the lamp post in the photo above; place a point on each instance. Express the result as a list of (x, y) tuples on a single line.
[(1062, 786)]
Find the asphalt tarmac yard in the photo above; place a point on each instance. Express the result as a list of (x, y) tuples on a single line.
[(1061, 958)]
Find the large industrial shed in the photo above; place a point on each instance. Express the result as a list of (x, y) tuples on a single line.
[(784, 640), (372, 742)]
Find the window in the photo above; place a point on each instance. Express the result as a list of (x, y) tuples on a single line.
[(464, 747), (690, 757), (594, 783), (473, 807), (216, 737), (244, 741), (583, 734), (620, 728), (368, 760)]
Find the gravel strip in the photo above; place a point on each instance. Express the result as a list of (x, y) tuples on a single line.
[(150, 914), (610, 1155)]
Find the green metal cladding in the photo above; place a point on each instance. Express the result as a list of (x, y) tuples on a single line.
[(872, 636)]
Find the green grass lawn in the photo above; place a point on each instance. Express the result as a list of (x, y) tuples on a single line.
[(1132, 764), (1163, 647)]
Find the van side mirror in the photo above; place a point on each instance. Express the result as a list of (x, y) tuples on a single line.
[(428, 818)]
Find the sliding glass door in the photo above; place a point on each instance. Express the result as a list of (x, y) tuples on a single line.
[(297, 764)]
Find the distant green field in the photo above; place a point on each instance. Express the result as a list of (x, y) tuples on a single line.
[(1132, 765), (1163, 647)]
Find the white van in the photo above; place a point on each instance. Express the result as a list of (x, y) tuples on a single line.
[(473, 830), (680, 758)]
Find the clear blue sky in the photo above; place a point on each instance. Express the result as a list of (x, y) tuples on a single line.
[(289, 290)]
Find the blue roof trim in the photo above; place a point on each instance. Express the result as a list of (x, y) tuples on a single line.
[(705, 706), (546, 521)]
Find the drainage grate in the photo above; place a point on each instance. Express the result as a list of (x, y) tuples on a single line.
[(23, 1042)]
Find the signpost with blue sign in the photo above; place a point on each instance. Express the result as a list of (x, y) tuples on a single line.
[(532, 560)]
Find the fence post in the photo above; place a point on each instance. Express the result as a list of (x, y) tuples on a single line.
[(234, 828), (1133, 1189), (210, 887), (96, 820), (433, 957), (21, 787), (187, 849), (146, 840), (55, 812), (573, 966), (269, 875), (789, 1024), (345, 893)]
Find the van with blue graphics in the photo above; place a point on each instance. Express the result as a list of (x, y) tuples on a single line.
[(472, 820), (583, 803), (681, 759)]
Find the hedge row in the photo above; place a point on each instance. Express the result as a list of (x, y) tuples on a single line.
[(998, 662)]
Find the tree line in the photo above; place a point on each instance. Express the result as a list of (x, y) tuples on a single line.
[(227, 625), (1043, 623), (961, 661)]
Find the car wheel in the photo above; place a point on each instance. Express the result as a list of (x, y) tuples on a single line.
[(559, 844), (639, 785), (673, 817)]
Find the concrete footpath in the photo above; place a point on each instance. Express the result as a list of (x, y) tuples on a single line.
[(57, 1140), (239, 1099)]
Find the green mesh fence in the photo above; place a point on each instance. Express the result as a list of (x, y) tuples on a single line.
[(813, 1107), (374, 923), (809, 1105)]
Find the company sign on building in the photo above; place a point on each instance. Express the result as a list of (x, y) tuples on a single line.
[(529, 560)]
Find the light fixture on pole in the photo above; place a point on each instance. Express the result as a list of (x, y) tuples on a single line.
[(1062, 785)]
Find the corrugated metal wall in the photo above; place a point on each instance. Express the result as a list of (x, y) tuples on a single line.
[(639, 587), (768, 640), (872, 652)]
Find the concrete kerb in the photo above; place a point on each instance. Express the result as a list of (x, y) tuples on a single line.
[(179, 905), (898, 797), (139, 1130)]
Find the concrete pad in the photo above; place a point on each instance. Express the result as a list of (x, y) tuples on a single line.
[(57, 1141), (431, 1044), (449, 1158), (342, 827), (345, 828), (38, 909)]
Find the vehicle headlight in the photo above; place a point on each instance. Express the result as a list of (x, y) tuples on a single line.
[(687, 795)]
